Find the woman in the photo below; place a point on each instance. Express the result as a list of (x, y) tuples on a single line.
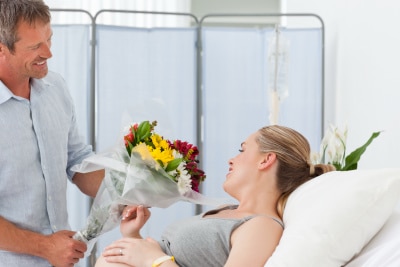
[(271, 164)]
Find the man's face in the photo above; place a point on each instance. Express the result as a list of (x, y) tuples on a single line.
[(31, 51)]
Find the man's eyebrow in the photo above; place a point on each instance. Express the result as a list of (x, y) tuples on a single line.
[(38, 44), (34, 45)]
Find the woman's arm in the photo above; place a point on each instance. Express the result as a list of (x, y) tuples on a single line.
[(122, 253), (133, 219), (101, 262), (254, 242), (135, 252)]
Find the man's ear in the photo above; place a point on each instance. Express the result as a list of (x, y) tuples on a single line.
[(2, 48), (268, 160), (4, 51)]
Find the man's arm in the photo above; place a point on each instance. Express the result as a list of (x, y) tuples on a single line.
[(58, 248), (89, 182)]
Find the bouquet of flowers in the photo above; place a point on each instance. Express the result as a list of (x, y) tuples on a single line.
[(333, 150), (143, 169)]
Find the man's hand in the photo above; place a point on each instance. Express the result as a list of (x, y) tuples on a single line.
[(62, 250)]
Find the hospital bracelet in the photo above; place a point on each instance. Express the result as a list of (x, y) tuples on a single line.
[(162, 259)]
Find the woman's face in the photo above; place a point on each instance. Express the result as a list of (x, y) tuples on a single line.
[(244, 166)]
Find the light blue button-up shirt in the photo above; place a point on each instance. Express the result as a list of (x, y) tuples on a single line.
[(39, 142)]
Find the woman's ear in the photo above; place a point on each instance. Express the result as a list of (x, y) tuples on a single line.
[(268, 160)]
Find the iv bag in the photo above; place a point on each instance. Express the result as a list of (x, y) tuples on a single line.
[(278, 65)]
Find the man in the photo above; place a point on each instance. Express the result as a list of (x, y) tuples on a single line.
[(39, 143)]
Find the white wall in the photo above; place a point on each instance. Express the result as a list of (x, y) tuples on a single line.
[(362, 78)]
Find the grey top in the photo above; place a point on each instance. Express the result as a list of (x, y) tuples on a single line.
[(202, 242), (39, 142)]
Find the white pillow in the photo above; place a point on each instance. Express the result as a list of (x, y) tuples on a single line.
[(383, 249), (331, 218)]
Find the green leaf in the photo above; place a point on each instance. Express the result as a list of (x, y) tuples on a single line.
[(161, 163), (353, 158), (142, 131), (173, 164), (129, 148), (337, 166), (146, 135)]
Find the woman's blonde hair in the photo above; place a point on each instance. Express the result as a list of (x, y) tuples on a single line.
[(293, 153)]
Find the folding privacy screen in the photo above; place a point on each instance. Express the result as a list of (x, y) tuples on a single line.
[(206, 84)]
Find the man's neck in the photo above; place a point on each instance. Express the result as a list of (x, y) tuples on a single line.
[(19, 87)]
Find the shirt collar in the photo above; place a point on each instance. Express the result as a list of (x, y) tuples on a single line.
[(39, 84), (5, 93)]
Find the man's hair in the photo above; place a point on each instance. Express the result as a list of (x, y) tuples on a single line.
[(13, 12)]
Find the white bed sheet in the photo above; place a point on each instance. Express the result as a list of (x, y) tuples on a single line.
[(384, 249)]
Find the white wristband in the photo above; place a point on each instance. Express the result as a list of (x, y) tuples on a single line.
[(159, 261)]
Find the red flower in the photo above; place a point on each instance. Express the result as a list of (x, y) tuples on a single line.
[(130, 137), (189, 153)]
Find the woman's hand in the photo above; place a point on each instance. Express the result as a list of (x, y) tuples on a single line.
[(133, 219), (133, 252)]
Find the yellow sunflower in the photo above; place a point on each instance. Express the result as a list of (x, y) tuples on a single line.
[(161, 151)]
